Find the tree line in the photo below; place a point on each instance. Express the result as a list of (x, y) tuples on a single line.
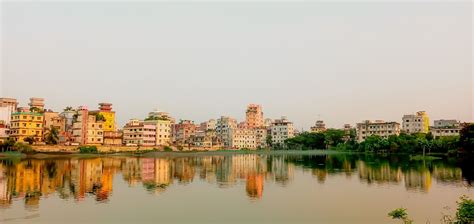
[(404, 143)]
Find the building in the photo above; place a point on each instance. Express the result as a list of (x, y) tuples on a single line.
[(347, 132), (156, 114), (319, 127), (4, 132), (206, 140), (261, 135), (105, 109), (79, 127), (379, 128), (446, 123), (36, 103), (254, 116), (281, 130), (7, 107), (244, 138), (113, 138), (416, 123), (224, 127), (27, 124), (208, 125), (50, 117), (444, 128), (183, 131), (95, 130), (136, 132), (163, 123)]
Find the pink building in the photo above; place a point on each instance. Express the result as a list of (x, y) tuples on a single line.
[(183, 131)]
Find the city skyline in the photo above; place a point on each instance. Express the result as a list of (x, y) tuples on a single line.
[(201, 61)]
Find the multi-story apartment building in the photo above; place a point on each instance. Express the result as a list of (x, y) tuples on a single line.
[(206, 139), (7, 107), (95, 131), (136, 132), (4, 132), (163, 125), (244, 138), (208, 125), (254, 116), (416, 123), (261, 137), (27, 124), (281, 130), (379, 128), (113, 137), (79, 126), (160, 114), (105, 109), (443, 128), (224, 127), (49, 118), (183, 131), (36, 102), (319, 127), (86, 129)]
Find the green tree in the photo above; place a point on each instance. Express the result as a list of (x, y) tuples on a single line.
[(269, 140), (36, 110), (333, 137), (466, 138), (68, 108), (100, 117), (30, 140), (52, 136)]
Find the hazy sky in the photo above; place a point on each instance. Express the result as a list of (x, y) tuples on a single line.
[(346, 62)]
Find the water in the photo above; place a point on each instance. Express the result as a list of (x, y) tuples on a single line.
[(229, 188)]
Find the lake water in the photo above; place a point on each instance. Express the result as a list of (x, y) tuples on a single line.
[(230, 188)]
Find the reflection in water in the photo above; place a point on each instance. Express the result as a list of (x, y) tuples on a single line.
[(32, 179)]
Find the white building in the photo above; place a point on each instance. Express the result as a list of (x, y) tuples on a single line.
[(136, 132), (7, 107), (379, 128), (443, 128), (416, 123), (281, 130)]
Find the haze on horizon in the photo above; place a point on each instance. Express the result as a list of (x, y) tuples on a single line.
[(342, 62)]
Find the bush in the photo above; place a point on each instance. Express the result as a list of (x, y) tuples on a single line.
[(23, 147), (168, 149), (465, 213), (88, 149)]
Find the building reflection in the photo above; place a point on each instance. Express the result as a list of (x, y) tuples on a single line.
[(30, 180)]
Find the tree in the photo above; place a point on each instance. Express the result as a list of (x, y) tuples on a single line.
[(99, 117), (333, 137), (30, 140), (36, 110), (68, 108), (269, 140), (466, 138), (52, 136)]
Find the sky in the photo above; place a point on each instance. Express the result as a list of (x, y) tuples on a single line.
[(342, 62)]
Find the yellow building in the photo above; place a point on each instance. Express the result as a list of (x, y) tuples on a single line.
[(105, 109), (25, 124)]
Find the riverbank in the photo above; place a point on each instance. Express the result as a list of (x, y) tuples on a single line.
[(160, 153)]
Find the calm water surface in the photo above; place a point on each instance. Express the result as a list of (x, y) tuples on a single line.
[(230, 188)]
